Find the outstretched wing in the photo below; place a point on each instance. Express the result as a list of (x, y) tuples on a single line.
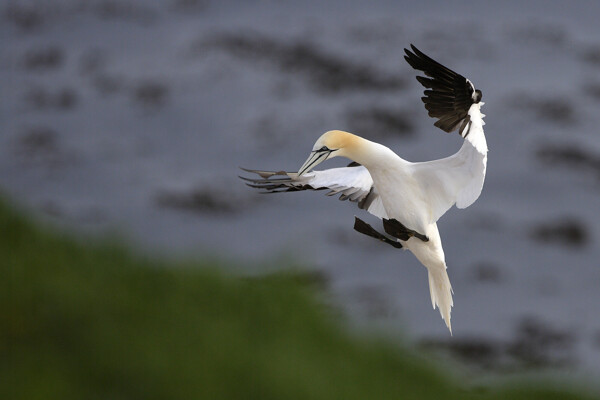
[(449, 95), (454, 101), (352, 183), (457, 179)]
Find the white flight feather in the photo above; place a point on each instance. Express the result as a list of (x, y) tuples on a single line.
[(355, 182)]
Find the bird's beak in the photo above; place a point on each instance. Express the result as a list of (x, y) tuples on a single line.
[(315, 158)]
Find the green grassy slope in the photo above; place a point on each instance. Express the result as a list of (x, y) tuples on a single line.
[(95, 322)]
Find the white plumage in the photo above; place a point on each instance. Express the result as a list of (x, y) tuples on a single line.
[(409, 197)]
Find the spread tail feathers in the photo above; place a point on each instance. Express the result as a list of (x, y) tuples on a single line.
[(441, 293)]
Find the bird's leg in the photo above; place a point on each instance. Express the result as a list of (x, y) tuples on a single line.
[(364, 228), (398, 230)]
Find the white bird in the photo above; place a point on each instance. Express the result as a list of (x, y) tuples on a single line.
[(409, 197)]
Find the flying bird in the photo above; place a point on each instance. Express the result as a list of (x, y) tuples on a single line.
[(409, 197)]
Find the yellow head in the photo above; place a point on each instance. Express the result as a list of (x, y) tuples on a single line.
[(330, 144)]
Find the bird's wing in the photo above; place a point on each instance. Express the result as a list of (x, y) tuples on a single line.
[(449, 95), (352, 183), (454, 101), (457, 179)]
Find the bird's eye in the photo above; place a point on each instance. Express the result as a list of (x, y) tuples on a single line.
[(324, 148)]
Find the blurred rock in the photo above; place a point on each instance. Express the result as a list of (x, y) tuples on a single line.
[(189, 5), (481, 352), (539, 34), (150, 94), (39, 145), (43, 58), (202, 200), (107, 84), (380, 122), (123, 9), (325, 72), (537, 344), (38, 139), (27, 17), (570, 156), (593, 90), (486, 272), (566, 231), (554, 110), (39, 98), (591, 55), (93, 61), (375, 34)]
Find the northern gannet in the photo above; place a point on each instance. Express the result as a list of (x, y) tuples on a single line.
[(408, 196)]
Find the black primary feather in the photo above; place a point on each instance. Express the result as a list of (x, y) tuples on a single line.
[(448, 95)]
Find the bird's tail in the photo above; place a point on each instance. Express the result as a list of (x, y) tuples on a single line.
[(441, 293)]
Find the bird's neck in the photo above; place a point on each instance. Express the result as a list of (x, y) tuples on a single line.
[(370, 154)]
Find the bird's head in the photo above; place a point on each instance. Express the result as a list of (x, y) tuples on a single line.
[(330, 144)]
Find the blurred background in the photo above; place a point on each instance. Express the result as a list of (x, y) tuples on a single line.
[(131, 117)]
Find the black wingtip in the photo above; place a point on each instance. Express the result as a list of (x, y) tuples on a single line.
[(410, 56), (449, 95), (414, 50), (417, 51)]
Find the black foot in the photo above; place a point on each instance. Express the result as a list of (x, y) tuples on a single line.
[(397, 230), (364, 228)]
